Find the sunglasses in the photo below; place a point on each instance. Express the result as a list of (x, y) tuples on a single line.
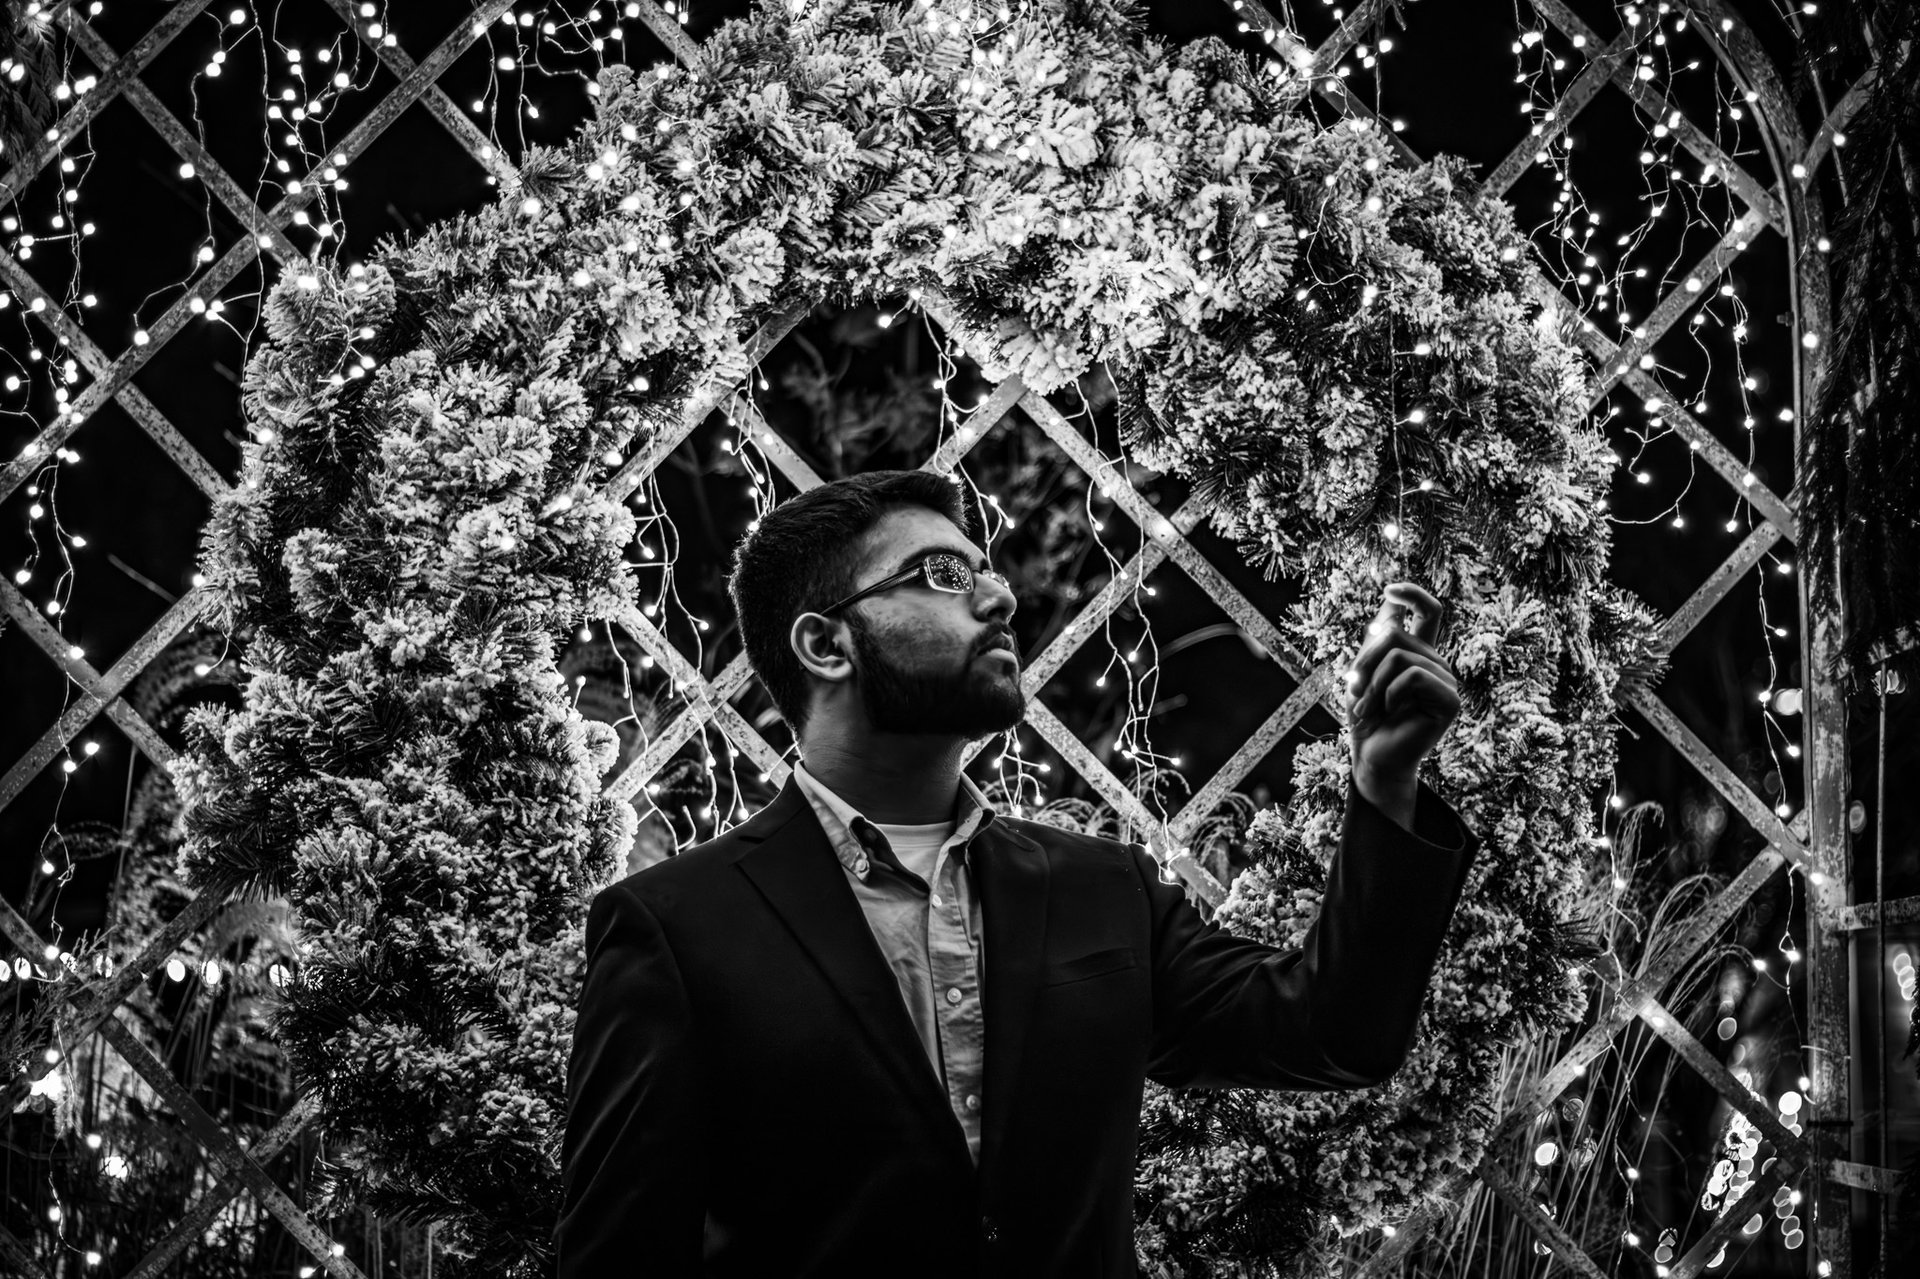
[(941, 570)]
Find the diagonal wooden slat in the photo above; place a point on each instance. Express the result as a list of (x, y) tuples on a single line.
[(1565, 1248), (1315, 688), (442, 107), (97, 691), (1732, 1220), (95, 1002), (18, 931), (17, 1255), (1094, 613), (224, 1150), (1585, 87), (668, 32), (1149, 828), (979, 423), (304, 1116), (115, 378), (1336, 93), (1789, 1147), (1678, 301), (112, 78), (1628, 1000), (143, 411), (705, 700), (1336, 46), (1698, 437), (783, 455), (1659, 107), (1689, 615), (1838, 119), (1719, 457), (1158, 528), (720, 383), (1736, 792), (184, 144)]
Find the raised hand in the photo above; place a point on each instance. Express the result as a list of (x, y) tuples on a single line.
[(1401, 696)]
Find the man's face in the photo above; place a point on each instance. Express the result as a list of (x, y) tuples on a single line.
[(925, 661)]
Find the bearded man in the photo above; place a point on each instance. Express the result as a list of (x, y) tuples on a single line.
[(882, 1029)]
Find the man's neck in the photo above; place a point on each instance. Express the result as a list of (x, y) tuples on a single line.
[(892, 779)]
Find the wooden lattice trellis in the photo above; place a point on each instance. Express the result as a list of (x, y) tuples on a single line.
[(1815, 842)]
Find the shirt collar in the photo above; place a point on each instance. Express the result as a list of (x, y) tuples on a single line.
[(857, 840)]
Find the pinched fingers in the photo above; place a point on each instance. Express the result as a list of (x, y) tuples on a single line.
[(1424, 614), (1399, 674), (1420, 691), (1384, 638)]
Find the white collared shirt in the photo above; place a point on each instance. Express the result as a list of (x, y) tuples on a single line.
[(916, 890)]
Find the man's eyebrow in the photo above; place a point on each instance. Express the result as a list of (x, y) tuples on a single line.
[(973, 558)]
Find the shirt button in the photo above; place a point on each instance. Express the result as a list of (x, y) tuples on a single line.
[(953, 994), (859, 865), (939, 900), (973, 1103)]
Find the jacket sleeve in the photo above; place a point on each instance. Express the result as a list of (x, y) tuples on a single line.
[(633, 1155), (1340, 1011)]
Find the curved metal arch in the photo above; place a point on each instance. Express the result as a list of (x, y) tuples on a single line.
[(1830, 945)]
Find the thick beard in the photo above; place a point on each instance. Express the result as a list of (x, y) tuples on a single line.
[(973, 702)]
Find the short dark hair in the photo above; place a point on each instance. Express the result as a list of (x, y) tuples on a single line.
[(805, 554)]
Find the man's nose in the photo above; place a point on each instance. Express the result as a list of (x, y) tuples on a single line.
[(999, 597)]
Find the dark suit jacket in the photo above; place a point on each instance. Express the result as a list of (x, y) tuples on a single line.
[(747, 1096)]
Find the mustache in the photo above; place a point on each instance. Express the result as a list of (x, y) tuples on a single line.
[(992, 641)]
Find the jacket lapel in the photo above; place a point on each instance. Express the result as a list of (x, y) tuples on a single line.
[(791, 862), (1010, 874), (794, 867)]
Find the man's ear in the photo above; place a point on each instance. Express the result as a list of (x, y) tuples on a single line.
[(821, 646)]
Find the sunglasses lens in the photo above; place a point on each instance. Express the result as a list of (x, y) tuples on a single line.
[(949, 573)]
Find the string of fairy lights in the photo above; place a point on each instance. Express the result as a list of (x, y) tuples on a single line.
[(1663, 46), (1597, 259), (300, 91)]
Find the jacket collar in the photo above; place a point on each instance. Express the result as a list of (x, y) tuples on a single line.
[(790, 860), (850, 831)]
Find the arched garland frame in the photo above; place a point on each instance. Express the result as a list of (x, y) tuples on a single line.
[(425, 506)]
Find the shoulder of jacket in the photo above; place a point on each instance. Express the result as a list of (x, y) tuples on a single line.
[(1073, 843), (661, 882)]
